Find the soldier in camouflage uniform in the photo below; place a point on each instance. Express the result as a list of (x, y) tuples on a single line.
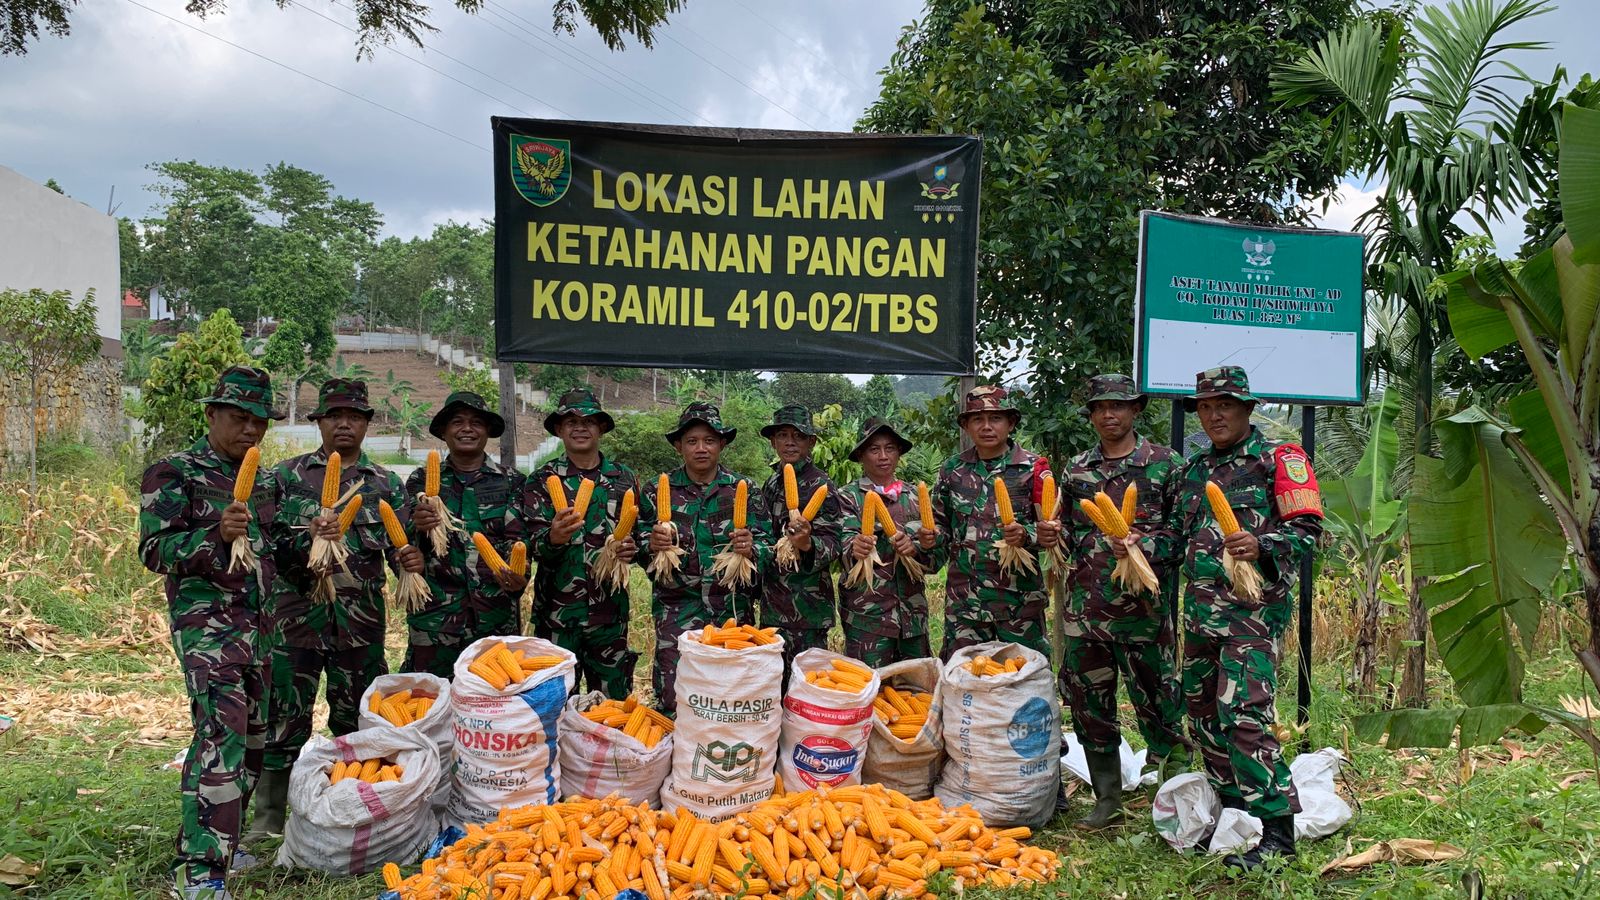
[(982, 602), (467, 601), (1232, 644), (571, 607), (886, 620), (702, 509), (343, 638), (800, 602), (187, 521), (1109, 628)]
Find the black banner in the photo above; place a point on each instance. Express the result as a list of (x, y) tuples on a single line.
[(654, 246)]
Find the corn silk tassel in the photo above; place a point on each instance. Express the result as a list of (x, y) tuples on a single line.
[(609, 567), (1012, 559), (438, 535), (410, 590), (907, 561), (1132, 571), (665, 564), (243, 558), (1049, 510), (327, 554), (864, 571), (735, 570), (1244, 576), (787, 557)]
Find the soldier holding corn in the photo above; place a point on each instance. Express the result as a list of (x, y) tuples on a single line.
[(1232, 641), (886, 617), (342, 636), (467, 601), (188, 518), (1109, 627), (572, 607), (799, 599), (985, 600), (702, 496)]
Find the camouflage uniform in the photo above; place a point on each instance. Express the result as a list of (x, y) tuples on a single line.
[(983, 603), (801, 602), (886, 621), (215, 618), (343, 638), (692, 597), (1107, 627), (1232, 645)]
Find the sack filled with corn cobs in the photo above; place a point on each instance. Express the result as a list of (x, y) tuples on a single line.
[(730, 691), (827, 716), (415, 700), (906, 750), (506, 699), (620, 747), (360, 801), (1002, 731)]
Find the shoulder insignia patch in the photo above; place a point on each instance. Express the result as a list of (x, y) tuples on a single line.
[(1295, 486)]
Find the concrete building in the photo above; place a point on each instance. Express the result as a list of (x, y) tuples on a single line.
[(53, 242)]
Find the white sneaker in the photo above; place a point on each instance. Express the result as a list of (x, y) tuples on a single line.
[(213, 889), (243, 861)]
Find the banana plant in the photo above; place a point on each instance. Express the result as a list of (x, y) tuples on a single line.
[(1492, 519)]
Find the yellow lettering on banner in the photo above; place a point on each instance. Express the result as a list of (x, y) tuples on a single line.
[(819, 198), (701, 320), (663, 305), (928, 309), (574, 301), (870, 205), (819, 264), (577, 301), (617, 250), (601, 297), (675, 255), (655, 191), (544, 299), (567, 245), (632, 311), (796, 247), (904, 260), (899, 313), (717, 202), (629, 191), (601, 201), (877, 257), (646, 243)]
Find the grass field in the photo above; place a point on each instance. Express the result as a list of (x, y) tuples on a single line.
[(88, 790)]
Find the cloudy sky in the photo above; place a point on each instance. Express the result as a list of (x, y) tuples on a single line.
[(140, 81)]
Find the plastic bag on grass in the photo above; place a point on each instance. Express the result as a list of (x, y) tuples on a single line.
[(1185, 810), (908, 766), (598, 760)]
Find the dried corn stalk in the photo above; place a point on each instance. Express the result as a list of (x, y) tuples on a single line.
[(735, 570), (244, 556), (1244, 576)]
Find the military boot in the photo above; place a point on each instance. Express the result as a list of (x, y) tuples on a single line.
[(1105, 776), (1277, 839), (271, 806)]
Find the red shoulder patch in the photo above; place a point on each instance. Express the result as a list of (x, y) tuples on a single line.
[(1294, 488), (1041, 468)]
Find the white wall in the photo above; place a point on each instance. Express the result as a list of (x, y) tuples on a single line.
[(51, 241)]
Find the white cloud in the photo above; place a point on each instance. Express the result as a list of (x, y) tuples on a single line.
[(1346, 205)]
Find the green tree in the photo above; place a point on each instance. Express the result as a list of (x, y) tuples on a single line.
[(462, 287), (294, 278), (394, 282), (140, 346), (878, 396), (180, 379), (198, 246), (46, 335), (379, 22), (814, 390), (130, 249)]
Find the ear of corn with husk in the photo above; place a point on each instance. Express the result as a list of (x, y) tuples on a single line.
[(1049, 511), (859, 842), (243, 557), (609, 567), (1244, 576), (784, 553), (907, 561), (864, 571), (665, 564), (410, 590), (438, 535), (735, 570), (326, 554), (1133, 571), (1012, 559)]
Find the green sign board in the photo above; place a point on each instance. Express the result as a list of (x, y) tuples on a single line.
[(1284, 303)]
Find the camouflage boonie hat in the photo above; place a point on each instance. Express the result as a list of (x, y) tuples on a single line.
[(1112, 387), (341, 392), (705, 414), (247, 388), (579, 402), (872, 428), (1223, 381), (986, 398), (466, 400), (795, 416)]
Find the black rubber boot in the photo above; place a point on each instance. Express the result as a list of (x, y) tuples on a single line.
[(1277, 839), (1105, 776), (271, 806)]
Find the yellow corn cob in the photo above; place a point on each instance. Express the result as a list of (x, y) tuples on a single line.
[(558, 494), (1002, 502), (1130, 504), (626, 517), (245, 483), (391, 876), (1226, 521), (925, 505), (869, 513), (663, 499), (1116, 526), (348, 514), (391, 523), (490, 557), (430, 478), (741, 498), (814, 505), (330, 481), (791, 488), (1047, 498), (518, 563), (1093, 512), (883, 517), (580, 502)]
